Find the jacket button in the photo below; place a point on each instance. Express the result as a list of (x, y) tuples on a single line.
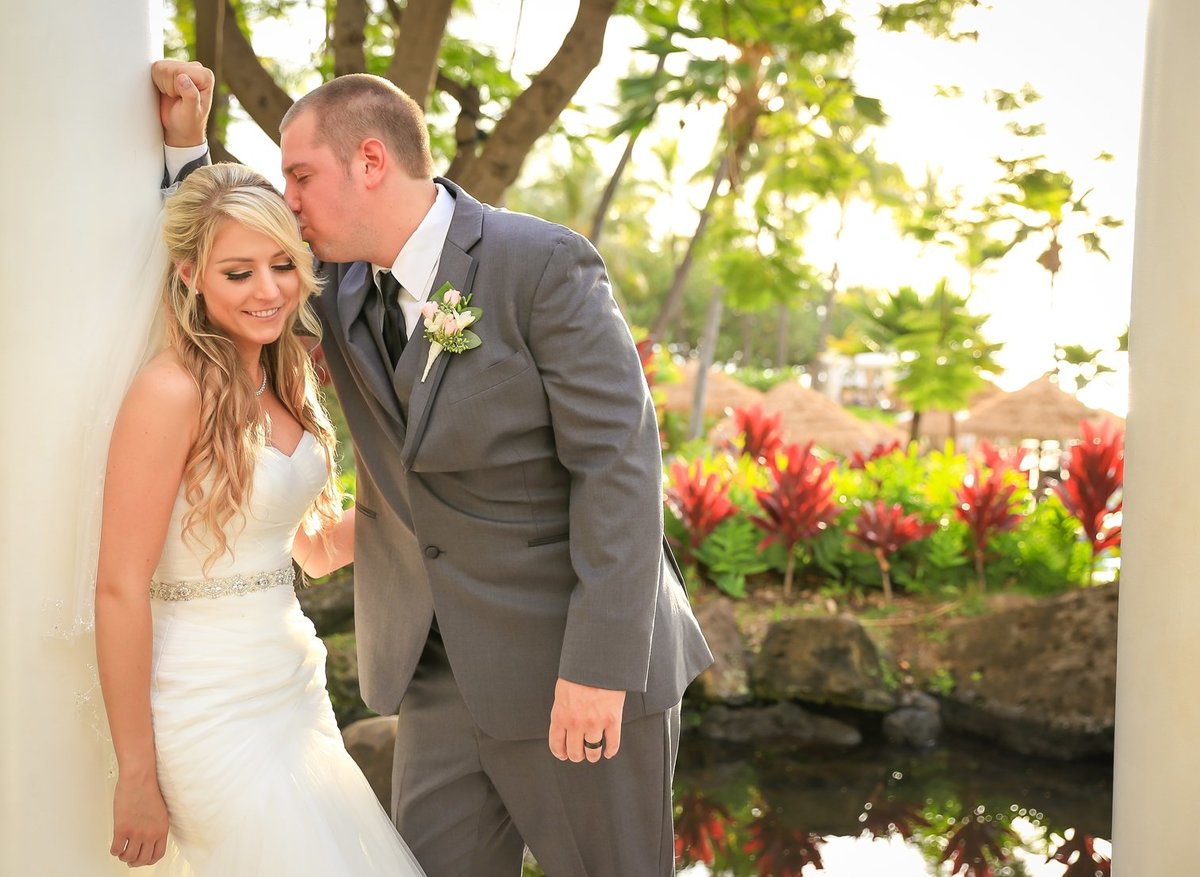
[(432, 551)]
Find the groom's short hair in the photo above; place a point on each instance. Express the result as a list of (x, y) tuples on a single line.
[(351, 108)]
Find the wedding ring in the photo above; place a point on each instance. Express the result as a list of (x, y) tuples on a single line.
[(599, 744)]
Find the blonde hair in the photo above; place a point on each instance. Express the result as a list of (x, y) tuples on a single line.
[(351, 108), (218, 474)]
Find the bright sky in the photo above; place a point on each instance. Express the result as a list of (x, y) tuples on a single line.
[(1084, 57)]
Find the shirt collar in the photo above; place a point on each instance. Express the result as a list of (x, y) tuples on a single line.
[(418, 259)]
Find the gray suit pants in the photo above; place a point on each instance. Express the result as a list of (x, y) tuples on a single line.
[(467, 804)]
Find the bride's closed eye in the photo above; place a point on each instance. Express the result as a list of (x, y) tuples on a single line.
[(238, 276)]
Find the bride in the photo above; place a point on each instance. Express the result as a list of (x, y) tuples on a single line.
[(220, 471)]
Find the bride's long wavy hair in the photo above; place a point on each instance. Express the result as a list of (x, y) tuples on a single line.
[(218, 474)]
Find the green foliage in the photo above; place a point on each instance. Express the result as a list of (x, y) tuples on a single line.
[(730, 554), (1044, 554)]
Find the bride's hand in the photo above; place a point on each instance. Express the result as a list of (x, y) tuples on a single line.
[(139, 822)]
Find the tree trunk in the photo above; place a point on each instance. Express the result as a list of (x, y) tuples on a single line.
[(349, 27), (914, 432), (539, 106), (414, 65), (747, 350), (708, 348), (886, 573), (674, 299), (256, 90), (611, 189), (210, 28), (782, 345), (815, 371)]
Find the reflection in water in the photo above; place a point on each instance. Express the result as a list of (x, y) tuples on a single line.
[(964, 809)]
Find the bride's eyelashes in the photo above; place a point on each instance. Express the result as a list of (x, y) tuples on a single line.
[(237, 276)]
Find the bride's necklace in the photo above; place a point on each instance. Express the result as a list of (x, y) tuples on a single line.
[(262, 388)]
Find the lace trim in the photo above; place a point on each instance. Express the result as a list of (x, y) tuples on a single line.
[(230, 586)]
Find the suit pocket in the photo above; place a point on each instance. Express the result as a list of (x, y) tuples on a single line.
[(549, 540), (491, 377)]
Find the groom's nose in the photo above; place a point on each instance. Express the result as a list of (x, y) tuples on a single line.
[(291, 198)]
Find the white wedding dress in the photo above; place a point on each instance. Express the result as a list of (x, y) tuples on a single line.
[(250, 760)]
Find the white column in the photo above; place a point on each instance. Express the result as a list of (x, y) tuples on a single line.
[(80, 163), (1158, 642)]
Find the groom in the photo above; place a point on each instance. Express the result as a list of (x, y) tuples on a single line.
[(514, 600)]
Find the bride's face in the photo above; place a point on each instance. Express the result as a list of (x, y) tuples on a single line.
[(250, 285)]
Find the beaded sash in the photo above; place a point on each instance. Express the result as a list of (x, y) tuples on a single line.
[(229, 586)]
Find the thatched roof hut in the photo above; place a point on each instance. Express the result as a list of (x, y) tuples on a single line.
[(723, 394), (1039, 410), (811, 416)]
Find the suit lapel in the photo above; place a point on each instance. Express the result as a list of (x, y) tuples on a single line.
[(353, 287), (456, 267)]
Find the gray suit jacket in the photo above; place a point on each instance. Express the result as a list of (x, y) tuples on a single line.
[(517, 491)]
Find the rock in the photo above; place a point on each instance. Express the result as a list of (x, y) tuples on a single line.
[(330, 605), (777, 721), (341, 670), (1039, 679), (821, 660), (913, 726), (372, 743), (726, 680)]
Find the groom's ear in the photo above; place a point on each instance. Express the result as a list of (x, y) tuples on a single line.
[(373, 161)]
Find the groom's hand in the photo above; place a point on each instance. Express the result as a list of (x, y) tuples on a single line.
[(185, 93), (583, 713)]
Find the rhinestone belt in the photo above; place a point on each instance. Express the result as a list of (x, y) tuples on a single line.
[(229, 586)]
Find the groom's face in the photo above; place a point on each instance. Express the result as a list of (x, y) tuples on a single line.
[(319, 191)]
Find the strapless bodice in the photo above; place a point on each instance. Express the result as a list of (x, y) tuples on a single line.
[(283, 489)]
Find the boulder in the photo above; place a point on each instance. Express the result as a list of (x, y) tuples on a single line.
[(1039, 679), (779, 721), (372, 743), (341, 671), (916, 722), (330, 605), (726, 680), (821, 660)]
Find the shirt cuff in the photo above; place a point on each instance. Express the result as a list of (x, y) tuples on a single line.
[(178, 157)]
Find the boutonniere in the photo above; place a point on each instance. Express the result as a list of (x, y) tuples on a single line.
[(447, 317)]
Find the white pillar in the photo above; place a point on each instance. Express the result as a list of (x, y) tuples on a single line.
[(80, 163), (1158, 642)]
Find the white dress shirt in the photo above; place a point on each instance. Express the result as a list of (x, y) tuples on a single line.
[(418, 260)]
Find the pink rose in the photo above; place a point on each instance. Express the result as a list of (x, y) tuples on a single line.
[(452, 297), (429, 310)]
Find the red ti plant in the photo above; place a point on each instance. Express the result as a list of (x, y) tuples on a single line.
[(699, 501), (799, 504), (762, 433), (985, 502), (1091, 485), (859, 461), (645, 351), (883, 530), (782, 851), (699, 829), (1087, 862), (974, 843), (884, 816), (1018, 459)]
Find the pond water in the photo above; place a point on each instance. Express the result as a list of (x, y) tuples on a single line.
[(965, 809)]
